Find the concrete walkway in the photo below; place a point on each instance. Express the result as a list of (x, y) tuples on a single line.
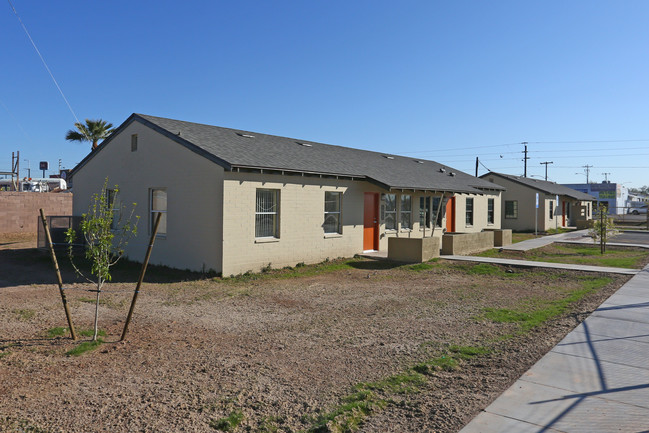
[(541, 241), (576, 237), (533, 264), (595, 380)]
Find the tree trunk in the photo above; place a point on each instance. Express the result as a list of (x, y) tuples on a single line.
[(96, 328)]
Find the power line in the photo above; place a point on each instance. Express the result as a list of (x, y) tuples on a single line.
[(586, 141), (43, 60), (453, 149)]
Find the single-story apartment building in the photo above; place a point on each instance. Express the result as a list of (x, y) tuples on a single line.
[(236, 200), (533, 204)]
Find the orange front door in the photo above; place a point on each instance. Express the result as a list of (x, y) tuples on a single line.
[(450, 215), (563, 214), (371, 222)]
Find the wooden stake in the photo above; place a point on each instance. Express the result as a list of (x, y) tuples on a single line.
[(58, 275), (142, 272)]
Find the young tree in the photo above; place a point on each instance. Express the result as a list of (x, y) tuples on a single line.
[(92, 131), (603, 228), (105, 238)]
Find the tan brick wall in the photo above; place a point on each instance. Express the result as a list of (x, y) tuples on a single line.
[(301, 236), (19, 211)]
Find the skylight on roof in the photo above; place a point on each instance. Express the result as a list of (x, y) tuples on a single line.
[(241, 134)]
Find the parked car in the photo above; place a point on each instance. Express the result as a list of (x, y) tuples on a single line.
[(638, 210)]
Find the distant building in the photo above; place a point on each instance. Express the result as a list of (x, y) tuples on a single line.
[(612, 195)]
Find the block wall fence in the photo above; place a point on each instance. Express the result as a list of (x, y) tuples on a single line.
[(19, 210)]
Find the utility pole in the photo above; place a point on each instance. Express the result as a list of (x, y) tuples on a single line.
[(546, 168), (587, 170), (525, 158), (606, 177), (476, 166)]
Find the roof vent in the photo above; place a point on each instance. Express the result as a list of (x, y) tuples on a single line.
[(304, 144), (442, 170), (451, 174), (388, 157), (419, 161), (241, 134)]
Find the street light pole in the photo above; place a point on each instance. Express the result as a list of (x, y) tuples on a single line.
[(29, 170)]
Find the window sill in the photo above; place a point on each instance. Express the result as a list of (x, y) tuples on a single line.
[(333, 235), (405, 230), (266, 240)]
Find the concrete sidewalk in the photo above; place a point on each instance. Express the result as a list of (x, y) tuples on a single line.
[(595, 380), (576, 237), (542, 241), (533, 264)]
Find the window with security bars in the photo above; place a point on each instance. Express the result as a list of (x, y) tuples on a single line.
[(159, 205), (267, 213), (406, 211), (333, 213)]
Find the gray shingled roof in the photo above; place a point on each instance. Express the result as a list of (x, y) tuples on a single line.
[(544, 186), (236, 149)]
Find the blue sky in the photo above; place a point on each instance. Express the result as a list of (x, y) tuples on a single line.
[(447, 81)]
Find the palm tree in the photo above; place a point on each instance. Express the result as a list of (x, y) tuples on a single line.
[(92, 131)]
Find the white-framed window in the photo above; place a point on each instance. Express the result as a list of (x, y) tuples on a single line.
[(437, 211), (469, 211), (405, 211), (424, 212), (390, 211), (490, 211), (267, 213), (511, 209), (333, 212), (551, 209), (158, 204), (112, 199)]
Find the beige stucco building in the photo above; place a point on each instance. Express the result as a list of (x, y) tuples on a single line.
[(558, 205), (234, 201)]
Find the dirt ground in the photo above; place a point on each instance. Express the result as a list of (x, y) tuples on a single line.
[(275, 352)]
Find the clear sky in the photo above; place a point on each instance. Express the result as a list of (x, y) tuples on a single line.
[(443, 80)]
